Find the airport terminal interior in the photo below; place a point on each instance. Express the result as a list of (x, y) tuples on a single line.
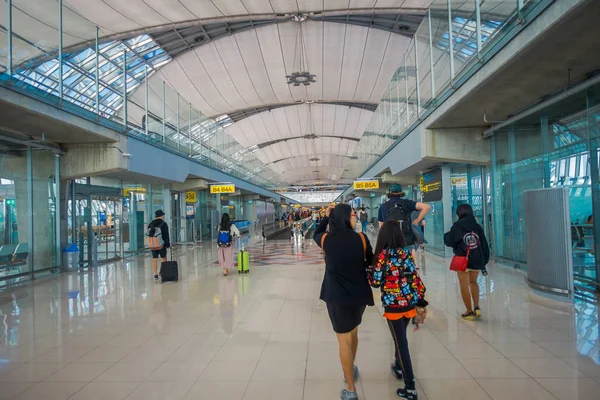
[(272, 112)]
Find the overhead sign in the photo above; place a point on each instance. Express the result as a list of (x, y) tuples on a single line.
[(458, 181), (431, 185), (127, 191), (366, 185), (214, 189), (190, 197)]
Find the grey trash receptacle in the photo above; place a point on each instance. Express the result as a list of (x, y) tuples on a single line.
[(71, 257)]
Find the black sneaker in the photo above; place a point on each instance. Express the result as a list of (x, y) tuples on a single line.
[(397, 371), (484, 272), (156, 278), (407, 394)]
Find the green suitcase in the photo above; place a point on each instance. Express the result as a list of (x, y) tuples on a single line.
[(243, 262)]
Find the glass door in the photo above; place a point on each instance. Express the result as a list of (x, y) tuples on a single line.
[(106, 224), (83, 228), (96, 223)]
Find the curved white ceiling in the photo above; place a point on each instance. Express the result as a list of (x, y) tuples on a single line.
[(279, 137), (115, 16), (248, 69), (299, 120)]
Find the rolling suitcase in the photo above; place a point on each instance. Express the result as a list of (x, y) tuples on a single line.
[(243, 262), (169, 270)]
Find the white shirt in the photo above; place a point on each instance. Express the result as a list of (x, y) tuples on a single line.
[(235, 232)]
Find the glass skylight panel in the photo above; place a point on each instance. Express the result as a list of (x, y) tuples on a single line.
[(144, 56)]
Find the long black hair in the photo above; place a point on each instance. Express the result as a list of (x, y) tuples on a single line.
[(339, 218), (390, 237), (463, 211), (225, 222)]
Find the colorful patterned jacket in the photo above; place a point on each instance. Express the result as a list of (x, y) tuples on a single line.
[(401, 287)]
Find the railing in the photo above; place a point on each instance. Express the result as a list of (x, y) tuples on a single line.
[(57, 55), (454, 39), (272, 228)]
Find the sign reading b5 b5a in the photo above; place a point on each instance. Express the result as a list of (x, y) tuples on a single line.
[(366, 185)]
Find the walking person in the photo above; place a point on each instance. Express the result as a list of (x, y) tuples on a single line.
[(158, 240), (399, 209), (467, 239), (227, 232), (345, 289), (315, 219), (402, 297), (364, 218)]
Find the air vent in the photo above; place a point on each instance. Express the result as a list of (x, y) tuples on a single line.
[(316, 171), (353, 157), (404, 28), (315, 159), (311, 136)]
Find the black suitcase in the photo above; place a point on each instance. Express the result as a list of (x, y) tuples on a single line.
[(169, 270)]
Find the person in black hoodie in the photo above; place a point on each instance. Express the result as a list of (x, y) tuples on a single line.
[(345, 288), (467, 234)]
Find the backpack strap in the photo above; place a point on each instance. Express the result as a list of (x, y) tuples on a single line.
[(364, 242)]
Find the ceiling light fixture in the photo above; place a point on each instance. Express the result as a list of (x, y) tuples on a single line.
[(300, 74)]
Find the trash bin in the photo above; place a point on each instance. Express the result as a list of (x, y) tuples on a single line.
[(71, 257)]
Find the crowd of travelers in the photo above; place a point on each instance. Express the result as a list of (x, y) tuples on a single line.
[(353, 268)]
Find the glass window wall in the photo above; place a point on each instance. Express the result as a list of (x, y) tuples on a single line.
[(28, 211), (556, 147)]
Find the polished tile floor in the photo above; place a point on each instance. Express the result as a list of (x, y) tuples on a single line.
[(113, 334)]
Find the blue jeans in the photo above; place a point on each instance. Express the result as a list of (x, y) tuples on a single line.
[(364, 226)]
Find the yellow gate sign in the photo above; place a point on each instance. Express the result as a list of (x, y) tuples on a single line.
[(190, 197), (127, 191), (366, 185), (222, 189)]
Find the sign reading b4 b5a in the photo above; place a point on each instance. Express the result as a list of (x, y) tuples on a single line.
[(366, 185)]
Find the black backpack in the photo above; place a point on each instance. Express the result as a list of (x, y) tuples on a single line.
[(399, 213), (364, 217)]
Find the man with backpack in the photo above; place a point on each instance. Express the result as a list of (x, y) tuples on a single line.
[(158, 240), (399, 209), (363, 218)]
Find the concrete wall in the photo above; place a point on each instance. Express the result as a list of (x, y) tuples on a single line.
[(455, 145), (97, 159)]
